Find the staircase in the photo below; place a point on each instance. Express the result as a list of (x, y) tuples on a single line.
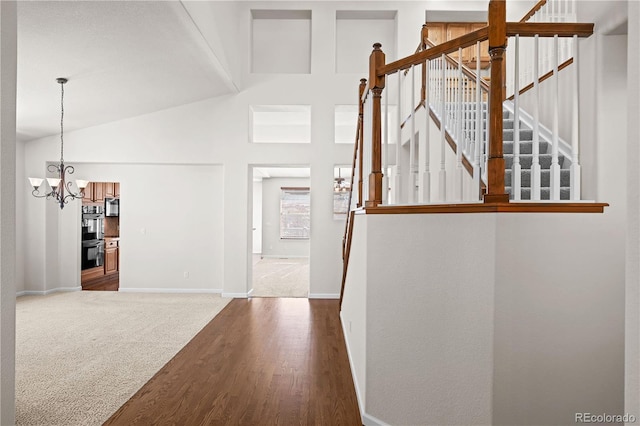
[(526, 158)]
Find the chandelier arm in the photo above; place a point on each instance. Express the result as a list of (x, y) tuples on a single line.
[(37, 194), (54, 168)]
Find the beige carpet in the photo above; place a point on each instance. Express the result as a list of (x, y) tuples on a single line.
[(274, 277), (81, 355)]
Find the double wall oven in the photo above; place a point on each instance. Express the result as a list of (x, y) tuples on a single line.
[(92, 236)]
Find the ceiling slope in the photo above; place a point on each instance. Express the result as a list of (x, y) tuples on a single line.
[(122, 59)]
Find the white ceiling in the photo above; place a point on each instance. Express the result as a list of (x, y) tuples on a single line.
[(122, 59)]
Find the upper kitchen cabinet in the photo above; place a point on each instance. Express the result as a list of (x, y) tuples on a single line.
[(109, 189), (88, 194), (93, 193), (96, 192), (439, 32)]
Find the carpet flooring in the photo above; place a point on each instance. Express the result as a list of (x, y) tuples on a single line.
[(276, 277), (81, 355)]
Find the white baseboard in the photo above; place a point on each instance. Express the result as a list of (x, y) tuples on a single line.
[(45, 292), (171, 290), (369, 420), (324, 296), (353, 374), (282, 256), (250, 293)]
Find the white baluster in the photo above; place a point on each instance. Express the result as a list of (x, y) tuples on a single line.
[(459, 137), (397, 179), (443, 120), (535, 165), (385, 164), (478, 135), (554, 186), (575, 127), (411, 182), (424, 195), (516, 170)]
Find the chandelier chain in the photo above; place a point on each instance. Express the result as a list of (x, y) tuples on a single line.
[(61, 122)]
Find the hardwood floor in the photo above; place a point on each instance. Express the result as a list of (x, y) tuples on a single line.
[(107, 283), (259, 362)]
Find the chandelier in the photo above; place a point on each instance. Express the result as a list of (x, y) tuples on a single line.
[(59, 188)]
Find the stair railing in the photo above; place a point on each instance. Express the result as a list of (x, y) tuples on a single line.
[(469, 113)]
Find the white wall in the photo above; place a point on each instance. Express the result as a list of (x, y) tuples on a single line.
[(216, 132), (632, 307), (8, 243), (505, 319), (257, 217), (21, 188), (559, 320), (354, 310), (439, 343), (272, 244)]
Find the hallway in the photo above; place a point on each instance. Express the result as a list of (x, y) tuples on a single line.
[(260, 361)]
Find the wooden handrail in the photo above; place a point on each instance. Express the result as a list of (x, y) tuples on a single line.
[(435, 52), (533, 10), (357, 149), (361, 90), (524, 29), (549, 29), (465, 69), (347, 253), (512, 207)]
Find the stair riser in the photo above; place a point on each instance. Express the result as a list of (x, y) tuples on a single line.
[(525, 193), (527, 159), (545, 178), (526, 147)]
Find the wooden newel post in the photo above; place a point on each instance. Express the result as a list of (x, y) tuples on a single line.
[(497, 45), (376, 85), (363, 85)]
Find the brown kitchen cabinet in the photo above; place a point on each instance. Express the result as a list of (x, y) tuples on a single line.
[(111, 256), (88, 193), (94, 193), (439, 32), (109, 189)]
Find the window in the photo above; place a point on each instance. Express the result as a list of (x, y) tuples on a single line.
[(295, 213)]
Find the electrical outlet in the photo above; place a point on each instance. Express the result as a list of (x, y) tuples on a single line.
[(186, 275)]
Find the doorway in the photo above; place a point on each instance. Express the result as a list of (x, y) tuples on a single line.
[(100, 245), (280, 232)]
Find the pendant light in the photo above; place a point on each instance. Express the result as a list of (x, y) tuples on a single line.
[(59, 188)]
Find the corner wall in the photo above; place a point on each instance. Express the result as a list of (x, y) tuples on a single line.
[(489, 318), (632, 307), (8, 244)]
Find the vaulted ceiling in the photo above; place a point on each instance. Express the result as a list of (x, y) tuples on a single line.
[(122, 59)]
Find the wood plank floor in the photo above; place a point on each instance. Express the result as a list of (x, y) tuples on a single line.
[(259, 362)]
